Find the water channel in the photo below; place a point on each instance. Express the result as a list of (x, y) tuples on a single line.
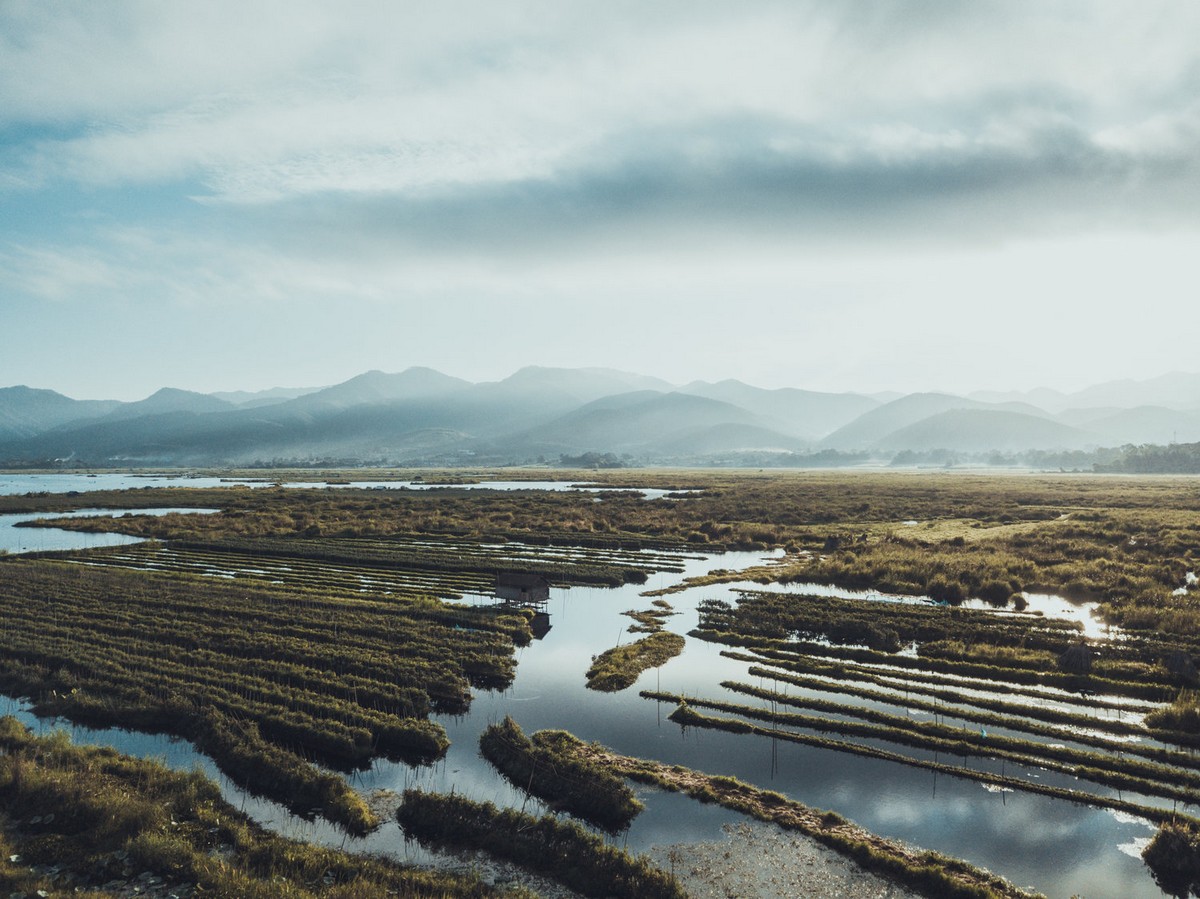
[(1054, 846)]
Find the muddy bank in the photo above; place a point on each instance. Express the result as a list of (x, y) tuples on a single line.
[(761, 861)]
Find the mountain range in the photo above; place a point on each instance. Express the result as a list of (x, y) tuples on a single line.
[(422, 416)]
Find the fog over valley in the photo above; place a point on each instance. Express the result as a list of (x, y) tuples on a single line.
[(594, 416)]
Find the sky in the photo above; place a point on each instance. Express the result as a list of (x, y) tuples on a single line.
[(866, 196)]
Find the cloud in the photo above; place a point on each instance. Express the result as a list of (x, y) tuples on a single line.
[(551, 157), (536, 127)]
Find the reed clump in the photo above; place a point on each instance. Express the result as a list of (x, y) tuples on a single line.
[(619, 667), (547, 767)]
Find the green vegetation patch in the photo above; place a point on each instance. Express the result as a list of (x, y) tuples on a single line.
[(1173, 857), (619, 667)]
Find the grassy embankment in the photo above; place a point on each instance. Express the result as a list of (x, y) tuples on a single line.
[(88, 821)]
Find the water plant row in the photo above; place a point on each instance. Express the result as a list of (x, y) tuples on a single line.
[(993, 669), (1150, 765), (295, 572), (687, 716), (265, 679), (979, 709)]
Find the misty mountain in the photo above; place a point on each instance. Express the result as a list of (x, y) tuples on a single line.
[(379, 387), (422, 416), (727, 438), (1177, 390), (168, 400), (1144, 424), (982, 430), (251, 398), (805, 414), (26, 411), (639, 421), (872, 426), (566, 387)]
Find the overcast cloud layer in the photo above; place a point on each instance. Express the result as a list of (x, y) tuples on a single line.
[(840, 196)]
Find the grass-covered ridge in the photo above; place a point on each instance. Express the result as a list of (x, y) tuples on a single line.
[(619, 667)]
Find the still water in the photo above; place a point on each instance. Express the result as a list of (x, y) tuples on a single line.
[(1053, 846), (17, 484)]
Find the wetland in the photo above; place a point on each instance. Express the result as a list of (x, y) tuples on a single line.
[(880, 647)]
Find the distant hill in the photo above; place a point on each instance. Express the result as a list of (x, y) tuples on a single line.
[(983, 430), (422, 416), (639, 421), (26, 411), (380, 387), (805, 414), (267, 397), (1177, 390), (169, 399), (872, 426), (725, 438), (1145, 424)]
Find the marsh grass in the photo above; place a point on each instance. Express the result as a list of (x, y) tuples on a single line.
[(559, 849), (266, 680), (619, 667), (95, 817)]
